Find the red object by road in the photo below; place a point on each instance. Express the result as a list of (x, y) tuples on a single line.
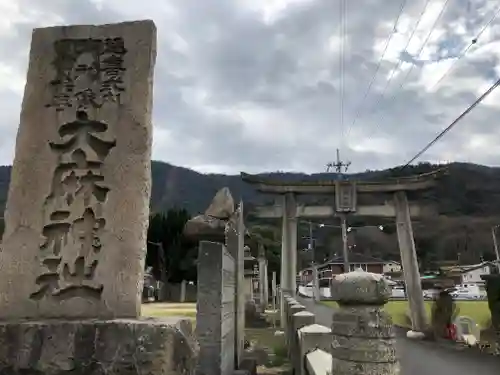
[(451, 332)]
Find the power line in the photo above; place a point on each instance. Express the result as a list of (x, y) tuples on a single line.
[(398, 64), (424, 43), (370, 84), (429, 34), (449, 127), (464, 52)]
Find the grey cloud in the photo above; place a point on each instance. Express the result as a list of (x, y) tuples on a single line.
[(285, 67)]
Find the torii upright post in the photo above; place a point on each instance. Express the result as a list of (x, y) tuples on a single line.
[(409, 262), (289, 245)]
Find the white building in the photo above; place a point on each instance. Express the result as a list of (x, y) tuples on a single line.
[(472, 274), (392, 266)]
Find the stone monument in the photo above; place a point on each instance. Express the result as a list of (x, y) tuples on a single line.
[(76, 218), (363, 338)]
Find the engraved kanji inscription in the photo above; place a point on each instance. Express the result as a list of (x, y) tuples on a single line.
[(89, 73), (69, 253), (345, 197)]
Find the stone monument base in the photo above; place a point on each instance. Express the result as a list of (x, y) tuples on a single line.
[(98, 347)]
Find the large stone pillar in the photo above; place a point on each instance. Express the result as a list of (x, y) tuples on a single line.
[(76, 219), (262, 281), (240, 285), (410, 262), (288, 250), (291, 250), (266, 283), (285, 243)]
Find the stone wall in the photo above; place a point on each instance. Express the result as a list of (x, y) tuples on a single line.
[(215, 316)]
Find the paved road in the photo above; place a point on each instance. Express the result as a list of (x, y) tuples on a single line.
[(425, 358)]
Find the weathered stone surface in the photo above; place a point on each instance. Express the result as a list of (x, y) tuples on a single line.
[(240, 284), (362, 321), (360, 287), (204, 228), (215, 310), (212, 225), (362, 349), (362, 333), (249, 364), (78, 203), (341, 367), (222, 206), (312, 337), (98, 347)]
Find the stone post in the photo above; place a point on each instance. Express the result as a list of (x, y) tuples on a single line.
[(274, 295), (183, 291), (363, 340), (216, 310), (235, 237), (316, 289), (299, 320), (312, 337), (293, 308), (410, 262), (262, 281), (266, 284), (289, 247)]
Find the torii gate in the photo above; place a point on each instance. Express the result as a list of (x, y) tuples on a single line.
[(345, 192)]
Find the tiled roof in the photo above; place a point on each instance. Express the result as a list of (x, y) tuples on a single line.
[(355, 258)]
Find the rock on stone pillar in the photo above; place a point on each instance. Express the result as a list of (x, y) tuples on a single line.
[(76, 219), (363, 340)]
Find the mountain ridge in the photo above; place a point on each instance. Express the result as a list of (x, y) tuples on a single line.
[(467, 199)]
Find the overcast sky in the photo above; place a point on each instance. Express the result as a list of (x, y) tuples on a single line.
[(256, 85)]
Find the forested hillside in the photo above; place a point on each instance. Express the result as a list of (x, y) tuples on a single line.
[(467, 200)]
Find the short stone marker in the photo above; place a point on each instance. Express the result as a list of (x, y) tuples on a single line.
[(467, 330), (363, 339), (72, 257)]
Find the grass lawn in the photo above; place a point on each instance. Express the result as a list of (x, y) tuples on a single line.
[(477, 310), (158, 310)]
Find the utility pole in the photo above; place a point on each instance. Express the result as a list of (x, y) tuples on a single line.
[(314, 267), (311, 242), (495, 243), (340, 168)]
